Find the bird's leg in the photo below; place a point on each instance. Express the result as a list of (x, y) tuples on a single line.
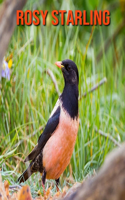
[(43, 181), (57, 184)]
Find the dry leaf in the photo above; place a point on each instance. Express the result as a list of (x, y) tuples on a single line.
[(24, 193), (2, 190), (6, 186)]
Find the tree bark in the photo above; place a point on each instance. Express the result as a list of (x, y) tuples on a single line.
[(108, 184), (8, 23)]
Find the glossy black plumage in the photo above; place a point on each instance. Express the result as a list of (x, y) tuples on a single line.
[(70, 92), (69, 102), (43, 138), (36, 154)]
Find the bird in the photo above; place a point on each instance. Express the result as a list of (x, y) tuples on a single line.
[(55, 145)]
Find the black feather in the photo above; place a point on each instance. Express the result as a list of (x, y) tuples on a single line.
[(69, 97), (26, 174), (43, 138), (33, 154), (35, 166), (50, 128), (69, 100)]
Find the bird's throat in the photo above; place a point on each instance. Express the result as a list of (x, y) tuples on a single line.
[(69, 99)]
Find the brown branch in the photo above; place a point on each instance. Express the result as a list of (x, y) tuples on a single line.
[(107, 135), (94, 87), (109, 40), (18, 158), (51, 75), (7, 24), (49, 72), (14, 187)]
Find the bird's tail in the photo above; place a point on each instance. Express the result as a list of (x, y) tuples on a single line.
[(26, 174)]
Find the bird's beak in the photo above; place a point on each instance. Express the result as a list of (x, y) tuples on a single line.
[(59, 64)]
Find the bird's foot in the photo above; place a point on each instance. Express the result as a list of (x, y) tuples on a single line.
[(57, 188), (44, 191)]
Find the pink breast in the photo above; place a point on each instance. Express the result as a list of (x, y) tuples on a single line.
[(59, 148)]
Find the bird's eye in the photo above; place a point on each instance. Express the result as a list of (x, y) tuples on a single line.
[(68, 68)]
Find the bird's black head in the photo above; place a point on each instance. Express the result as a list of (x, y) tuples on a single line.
[(69, 96), (69, 70)]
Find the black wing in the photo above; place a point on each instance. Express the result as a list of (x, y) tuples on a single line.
[(48, 131)]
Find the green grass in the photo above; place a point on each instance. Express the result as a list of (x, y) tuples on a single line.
[(27, 100)]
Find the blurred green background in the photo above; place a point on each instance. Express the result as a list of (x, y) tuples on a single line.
[(27, 100)]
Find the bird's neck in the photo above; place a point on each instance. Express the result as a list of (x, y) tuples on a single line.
[(69, 99)]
